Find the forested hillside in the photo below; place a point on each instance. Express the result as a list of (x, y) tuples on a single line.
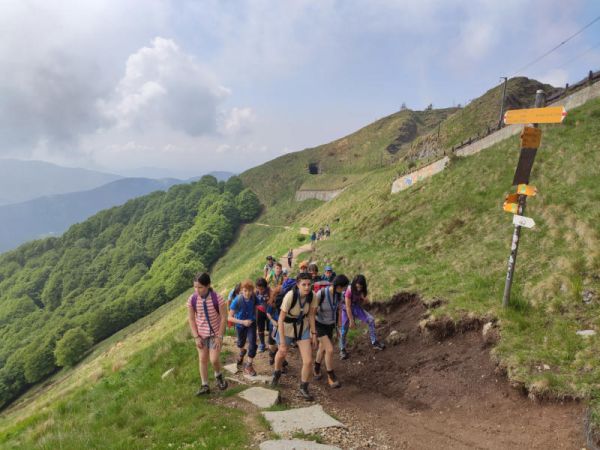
[(58, 296)]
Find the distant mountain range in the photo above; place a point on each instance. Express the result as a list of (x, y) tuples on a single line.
[(52, 215), (25, 180)]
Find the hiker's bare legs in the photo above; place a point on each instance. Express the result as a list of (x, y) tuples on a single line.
[(305, 348), (203, 358)]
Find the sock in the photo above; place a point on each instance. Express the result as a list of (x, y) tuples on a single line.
[(304, 385), (277, 373)]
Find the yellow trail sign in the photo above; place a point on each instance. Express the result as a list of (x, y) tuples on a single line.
[(550, 114)]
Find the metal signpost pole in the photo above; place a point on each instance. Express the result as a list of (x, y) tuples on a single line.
[(540, 98)]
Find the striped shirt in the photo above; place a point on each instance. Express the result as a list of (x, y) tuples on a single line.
[(213, 315)]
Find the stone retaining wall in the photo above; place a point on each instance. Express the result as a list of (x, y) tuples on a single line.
[(319, 195)]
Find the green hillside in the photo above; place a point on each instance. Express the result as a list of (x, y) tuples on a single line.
[(107, 272), (445, 238)]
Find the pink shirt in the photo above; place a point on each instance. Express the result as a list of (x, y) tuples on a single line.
[(213, 315)]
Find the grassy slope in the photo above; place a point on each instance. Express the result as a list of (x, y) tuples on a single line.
[(445, 237)]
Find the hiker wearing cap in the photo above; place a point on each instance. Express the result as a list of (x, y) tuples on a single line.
[(207, 313), (297, 323), (286, 274), (262, 298), (327, 307), (243, 313), (290, 257), (355, 299), (275, 278), (329, 274), (269, 267)]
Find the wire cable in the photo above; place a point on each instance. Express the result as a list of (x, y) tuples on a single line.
[(539, 58)]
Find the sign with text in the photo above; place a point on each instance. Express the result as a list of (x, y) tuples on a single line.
[(550, 114), (523, 221)]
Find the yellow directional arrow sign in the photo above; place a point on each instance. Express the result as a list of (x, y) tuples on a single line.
[(525, 189), (551, 114)]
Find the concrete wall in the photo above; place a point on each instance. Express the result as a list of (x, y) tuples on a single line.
[(572, 101), (407, 181), (319, 195)]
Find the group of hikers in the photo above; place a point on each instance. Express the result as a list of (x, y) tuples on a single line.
[(321, 233), (277, 312)]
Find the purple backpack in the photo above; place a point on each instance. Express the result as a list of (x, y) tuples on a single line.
[(214, 298)]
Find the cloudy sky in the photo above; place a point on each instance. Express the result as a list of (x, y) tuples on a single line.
[(196, 86)]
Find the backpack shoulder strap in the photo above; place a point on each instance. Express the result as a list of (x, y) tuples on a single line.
[(215, 301), (194, 302), (296, 294)]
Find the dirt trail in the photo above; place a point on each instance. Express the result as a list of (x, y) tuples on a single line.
[(297, 251), (425, 393)]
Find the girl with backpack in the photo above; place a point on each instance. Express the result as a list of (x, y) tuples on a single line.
[(297, 323), (355, 299), (207, 313), (243, 313), (327, 307)]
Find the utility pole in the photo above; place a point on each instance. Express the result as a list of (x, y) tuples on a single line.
[(502, 103), (521, 175)]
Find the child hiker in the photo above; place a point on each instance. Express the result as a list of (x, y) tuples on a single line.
[(276, 277), (297, 323), (207, 313), (243, 313), (262, 298), (355, 298), (327, 307)]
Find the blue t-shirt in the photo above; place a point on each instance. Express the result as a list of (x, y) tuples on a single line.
[(244, 309)]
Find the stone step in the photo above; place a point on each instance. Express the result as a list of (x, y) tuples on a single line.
[(261, 397), (300, 419), (295, 444)]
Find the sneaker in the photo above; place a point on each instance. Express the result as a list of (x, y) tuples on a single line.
[(249, 370), (272, 358), (204, 389), (276, 377), (261, 348), (344, 354), (240, 360), (378, 345), (304, 392), (317, 371), (221, 382), (332, 380)]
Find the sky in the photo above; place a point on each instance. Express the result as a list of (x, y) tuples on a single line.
[(189, 87)]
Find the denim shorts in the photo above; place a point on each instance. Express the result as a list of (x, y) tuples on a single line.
[(290, 340)]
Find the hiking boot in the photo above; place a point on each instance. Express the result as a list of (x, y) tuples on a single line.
[(272, 358), (261, 348), (317, 371), (378, 345), (240, 360), (276, 377), (304, 392), (332, 380), (344, 354), (221, 382), (249, 370), (204, 389)]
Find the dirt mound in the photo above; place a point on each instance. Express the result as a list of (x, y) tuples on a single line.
[(441, 388)]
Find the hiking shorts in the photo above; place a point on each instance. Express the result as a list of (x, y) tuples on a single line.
[(291, 340), (325, 330), (209, 342)]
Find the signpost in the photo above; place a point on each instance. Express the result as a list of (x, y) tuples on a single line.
[(530, 142), (551, 114)]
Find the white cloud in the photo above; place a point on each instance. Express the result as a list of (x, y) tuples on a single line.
[(237, 121), (163, 85)]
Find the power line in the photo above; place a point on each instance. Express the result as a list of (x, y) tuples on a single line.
[(579, 55), (556, 47)]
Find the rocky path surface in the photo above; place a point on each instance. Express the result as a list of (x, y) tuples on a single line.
[(426, 392)]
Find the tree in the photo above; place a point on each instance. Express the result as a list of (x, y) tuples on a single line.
[(71, 348), (248, 205), (234, 185), (38, 361)]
